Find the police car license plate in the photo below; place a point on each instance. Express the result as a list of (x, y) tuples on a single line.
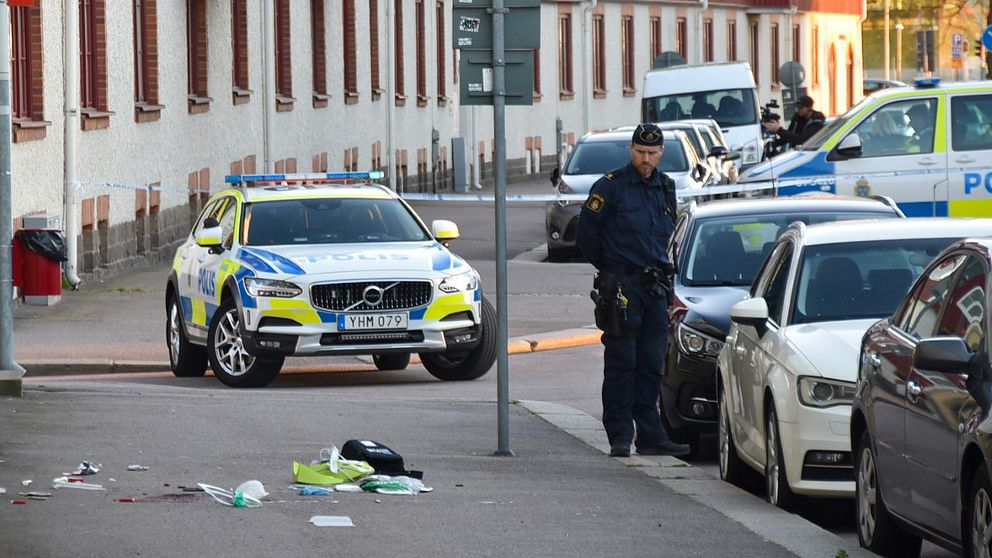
[(375, 321)]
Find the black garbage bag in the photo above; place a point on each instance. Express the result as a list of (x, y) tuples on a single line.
[(50, 244)]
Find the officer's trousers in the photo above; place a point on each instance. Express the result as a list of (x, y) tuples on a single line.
[(632, 372)]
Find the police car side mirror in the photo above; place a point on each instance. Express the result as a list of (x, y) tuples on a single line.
[(209, 237), (751, 312), (555, 175), (444, 231), (850, 146), (732, 155)]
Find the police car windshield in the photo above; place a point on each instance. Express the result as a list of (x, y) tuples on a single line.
[(729, 107), (816, 142), (728, 251), (329, 221), (859, 280), (601, 157)]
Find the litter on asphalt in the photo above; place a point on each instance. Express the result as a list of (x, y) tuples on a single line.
[(87, 468), (137, 467), (332, 521), (234, 498), (63, 482), (26, 482)]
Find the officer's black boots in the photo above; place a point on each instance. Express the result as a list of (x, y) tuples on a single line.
[(665, 448)]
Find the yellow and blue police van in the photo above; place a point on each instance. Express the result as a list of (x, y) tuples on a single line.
[(284, 265), (926, 146)]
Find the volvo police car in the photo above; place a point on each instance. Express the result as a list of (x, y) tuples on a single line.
[(928, 147), (294, 266)]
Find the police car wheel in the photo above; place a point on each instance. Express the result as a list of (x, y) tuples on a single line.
[(469, 365), (186, 359), (230, 361), (392, 361)]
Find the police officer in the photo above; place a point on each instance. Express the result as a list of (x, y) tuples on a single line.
[(623, 230), (805, 123)]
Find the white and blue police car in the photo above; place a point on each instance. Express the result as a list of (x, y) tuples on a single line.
[(289, 265)]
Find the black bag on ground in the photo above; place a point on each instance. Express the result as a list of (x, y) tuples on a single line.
[(384, 460)]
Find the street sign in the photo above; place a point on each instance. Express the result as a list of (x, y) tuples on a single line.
[(792, 74), (987, 38), (476, 77), (472, 28)]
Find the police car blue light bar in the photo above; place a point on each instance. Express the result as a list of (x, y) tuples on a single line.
[(924, 82), (304, 177)]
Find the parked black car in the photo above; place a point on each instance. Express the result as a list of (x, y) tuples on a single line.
[(717, 249), (920, 425)]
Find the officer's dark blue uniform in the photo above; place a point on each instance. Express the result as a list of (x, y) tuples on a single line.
[(625, 226)]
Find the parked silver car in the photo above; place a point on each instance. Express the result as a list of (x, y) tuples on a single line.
[(598, 153)]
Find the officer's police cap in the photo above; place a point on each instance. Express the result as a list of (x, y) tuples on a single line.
[(647, 134)]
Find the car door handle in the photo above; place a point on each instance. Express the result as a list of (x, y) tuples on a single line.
[(926, 163), (874, 360), (913, 390), (964, 160)]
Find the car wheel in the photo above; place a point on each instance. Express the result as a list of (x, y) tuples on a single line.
[(732, 468), (776, 479), (231, 363), (392, 361), (877, 530), (468, 365), (186, 359), (978, 519)]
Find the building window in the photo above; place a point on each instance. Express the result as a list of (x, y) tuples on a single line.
[(442, 91), (565, 56), (654, 27), (239, 51), (598, 57), (776, 60), (349, 49), (421, 54), (708, 40), (398, 52), (627, 53), (145, 28), (28, 102), (815, 51), (196, 55), (755, 47), (681, 37), (797, 51), (374, 48), (283, 58), (537, 73), (93, 64), (731, 41), (318, 50)]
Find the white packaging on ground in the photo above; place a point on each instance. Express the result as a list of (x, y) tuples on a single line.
[(331, 521)]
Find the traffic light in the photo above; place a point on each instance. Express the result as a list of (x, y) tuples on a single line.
[(978, 47)]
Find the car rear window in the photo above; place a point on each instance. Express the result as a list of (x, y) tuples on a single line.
[(729, 250), (601, 157), (329, 221), (856, 280)]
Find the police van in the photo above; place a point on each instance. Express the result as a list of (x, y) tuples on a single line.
[(927, 146), (721, 91)]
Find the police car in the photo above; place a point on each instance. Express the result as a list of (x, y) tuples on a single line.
[(928, 147), (289, 265)]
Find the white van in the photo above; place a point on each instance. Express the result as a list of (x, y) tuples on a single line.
[(928, 147), (723, 91)]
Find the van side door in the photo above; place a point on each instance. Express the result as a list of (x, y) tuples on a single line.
[(970, 154), (902, 155)]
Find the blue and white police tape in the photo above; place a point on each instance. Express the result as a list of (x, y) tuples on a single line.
[(700, 193)]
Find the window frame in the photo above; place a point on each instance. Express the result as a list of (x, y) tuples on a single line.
[(708, 53), (318, 51), (682, 37), (197, 52), (421, 47), (627, 33), (441, 75), (598, 56), (27, 74), (654, 43), (731, 40), (905, 313), (566, 85), (375, 85), (983, 275), (283, 56), (754, 45), (398, 57), (776, 55), (240, 91)]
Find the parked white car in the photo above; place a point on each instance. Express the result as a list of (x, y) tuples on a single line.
[(788, 370)]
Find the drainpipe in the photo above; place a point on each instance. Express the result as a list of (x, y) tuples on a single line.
[(587, 65), (269, 61), (390, 97), (70, 80), (704, 5)]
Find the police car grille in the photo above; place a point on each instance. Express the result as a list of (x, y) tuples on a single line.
[(339, 297)]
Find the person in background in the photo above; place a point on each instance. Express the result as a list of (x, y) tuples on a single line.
[(805, 123), (624, 230)]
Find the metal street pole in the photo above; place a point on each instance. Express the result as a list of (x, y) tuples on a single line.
[(885, 29), (10, 371), (499, 131)]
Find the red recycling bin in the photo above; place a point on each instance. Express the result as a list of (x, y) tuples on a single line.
[(39, 277)]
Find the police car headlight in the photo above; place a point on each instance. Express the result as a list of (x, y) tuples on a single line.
[(820, 392), (460, 283), (692, 342), (271, 287)]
